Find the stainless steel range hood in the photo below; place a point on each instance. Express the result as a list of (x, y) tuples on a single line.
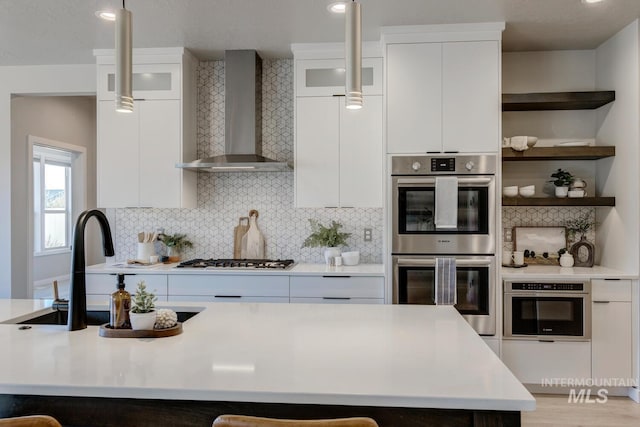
[(243, 119)]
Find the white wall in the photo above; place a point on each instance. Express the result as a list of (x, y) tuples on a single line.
[(617, 69), (51, 80), (68, 119), (553, 71)]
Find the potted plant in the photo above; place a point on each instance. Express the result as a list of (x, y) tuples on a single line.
[(142, 313), (175, 244), (328, 237), (562, 180)]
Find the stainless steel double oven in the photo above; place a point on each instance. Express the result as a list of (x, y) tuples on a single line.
[(417, 240)]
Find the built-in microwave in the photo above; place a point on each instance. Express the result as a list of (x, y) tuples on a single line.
[(547, 310)]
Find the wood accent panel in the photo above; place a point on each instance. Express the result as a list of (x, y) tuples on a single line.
[(558, 201), (558, 153), (112, 412), (556, 100)]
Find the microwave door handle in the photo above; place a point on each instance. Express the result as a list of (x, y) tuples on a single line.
[(473, 262)]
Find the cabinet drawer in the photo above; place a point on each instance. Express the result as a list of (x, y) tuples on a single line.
[(337, 300), (610, 290), (337, 286), (326, 77), (108, 283), (222, 285), (203, 298), (152, 81), (533, 361)]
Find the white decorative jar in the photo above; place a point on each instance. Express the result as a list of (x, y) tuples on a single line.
[(142, 321), (566, 260)]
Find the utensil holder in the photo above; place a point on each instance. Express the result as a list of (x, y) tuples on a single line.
[(145, 250)]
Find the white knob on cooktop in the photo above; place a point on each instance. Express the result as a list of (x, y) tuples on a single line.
[(416, 166), (469, 165)]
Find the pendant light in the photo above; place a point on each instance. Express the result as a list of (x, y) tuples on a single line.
[(124, 95), (353, 55)]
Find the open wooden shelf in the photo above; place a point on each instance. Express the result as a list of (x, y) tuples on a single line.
[(556, 100), (558, 153), (558, 201)]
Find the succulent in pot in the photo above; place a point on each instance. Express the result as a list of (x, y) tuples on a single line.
[(142, 313), (330, 238)]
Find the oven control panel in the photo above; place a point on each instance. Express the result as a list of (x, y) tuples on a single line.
[(443, 165), (547, 286)]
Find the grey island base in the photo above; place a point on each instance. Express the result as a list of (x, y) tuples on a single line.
[(401, 365)]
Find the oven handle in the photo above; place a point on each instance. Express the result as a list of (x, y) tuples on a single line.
[(431, 262), (484, 181)]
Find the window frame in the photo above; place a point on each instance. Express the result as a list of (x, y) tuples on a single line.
[(43, 155)]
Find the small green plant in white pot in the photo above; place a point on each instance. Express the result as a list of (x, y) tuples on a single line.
[(143, 313), (562, 180), (331, 238)]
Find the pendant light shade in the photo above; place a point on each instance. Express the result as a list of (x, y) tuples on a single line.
[(353, 55), (124, 47)]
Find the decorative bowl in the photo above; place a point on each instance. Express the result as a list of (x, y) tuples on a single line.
[(350, 258), (528, 191), (511, 191)]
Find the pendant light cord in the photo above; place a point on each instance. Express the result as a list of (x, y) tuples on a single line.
[(123, 6)]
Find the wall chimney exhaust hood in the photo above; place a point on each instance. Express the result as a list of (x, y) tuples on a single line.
[(243, 119)]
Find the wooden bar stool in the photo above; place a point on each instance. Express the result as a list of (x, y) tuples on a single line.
[(30, 421), (245, 421)]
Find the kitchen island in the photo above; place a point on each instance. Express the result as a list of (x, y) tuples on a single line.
[(401, 365)]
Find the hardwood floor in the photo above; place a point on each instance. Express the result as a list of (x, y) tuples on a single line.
[(555, 410)]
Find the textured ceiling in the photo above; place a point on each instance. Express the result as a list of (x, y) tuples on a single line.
[(66, 31)]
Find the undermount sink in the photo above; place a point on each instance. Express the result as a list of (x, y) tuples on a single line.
[(94, 318)]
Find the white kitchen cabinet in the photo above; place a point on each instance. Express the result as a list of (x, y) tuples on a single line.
[(443, 97), (338, 153), (414, 97), (532, 361), (611, 332), (137, 152), (104, 284), (330, 289), (228, 288)]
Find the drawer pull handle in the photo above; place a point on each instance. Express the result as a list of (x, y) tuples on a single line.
[(336, 298), (546, 341), (228, 296), (601, 302), (336, 277)]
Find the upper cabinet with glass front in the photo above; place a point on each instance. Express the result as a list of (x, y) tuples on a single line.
[(326, 77), (137, 152), (149, 81)]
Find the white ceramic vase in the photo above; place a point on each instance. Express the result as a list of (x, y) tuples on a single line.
[(566, 260), (330, 253), (562, 191), (142, 321)]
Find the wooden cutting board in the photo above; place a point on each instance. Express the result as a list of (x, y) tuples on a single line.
[(238, 233)]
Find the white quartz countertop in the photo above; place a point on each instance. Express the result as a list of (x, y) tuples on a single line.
[(557, 272), (372, 355), (296, 270)]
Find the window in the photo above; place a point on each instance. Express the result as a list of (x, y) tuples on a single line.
[(52, 199)]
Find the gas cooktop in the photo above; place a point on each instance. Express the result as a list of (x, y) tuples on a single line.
[(211, 263)]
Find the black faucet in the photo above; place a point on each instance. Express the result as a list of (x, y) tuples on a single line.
[(78, 290)]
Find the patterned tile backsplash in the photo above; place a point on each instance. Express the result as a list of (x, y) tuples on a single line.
[(543, 217), (224, 197)]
